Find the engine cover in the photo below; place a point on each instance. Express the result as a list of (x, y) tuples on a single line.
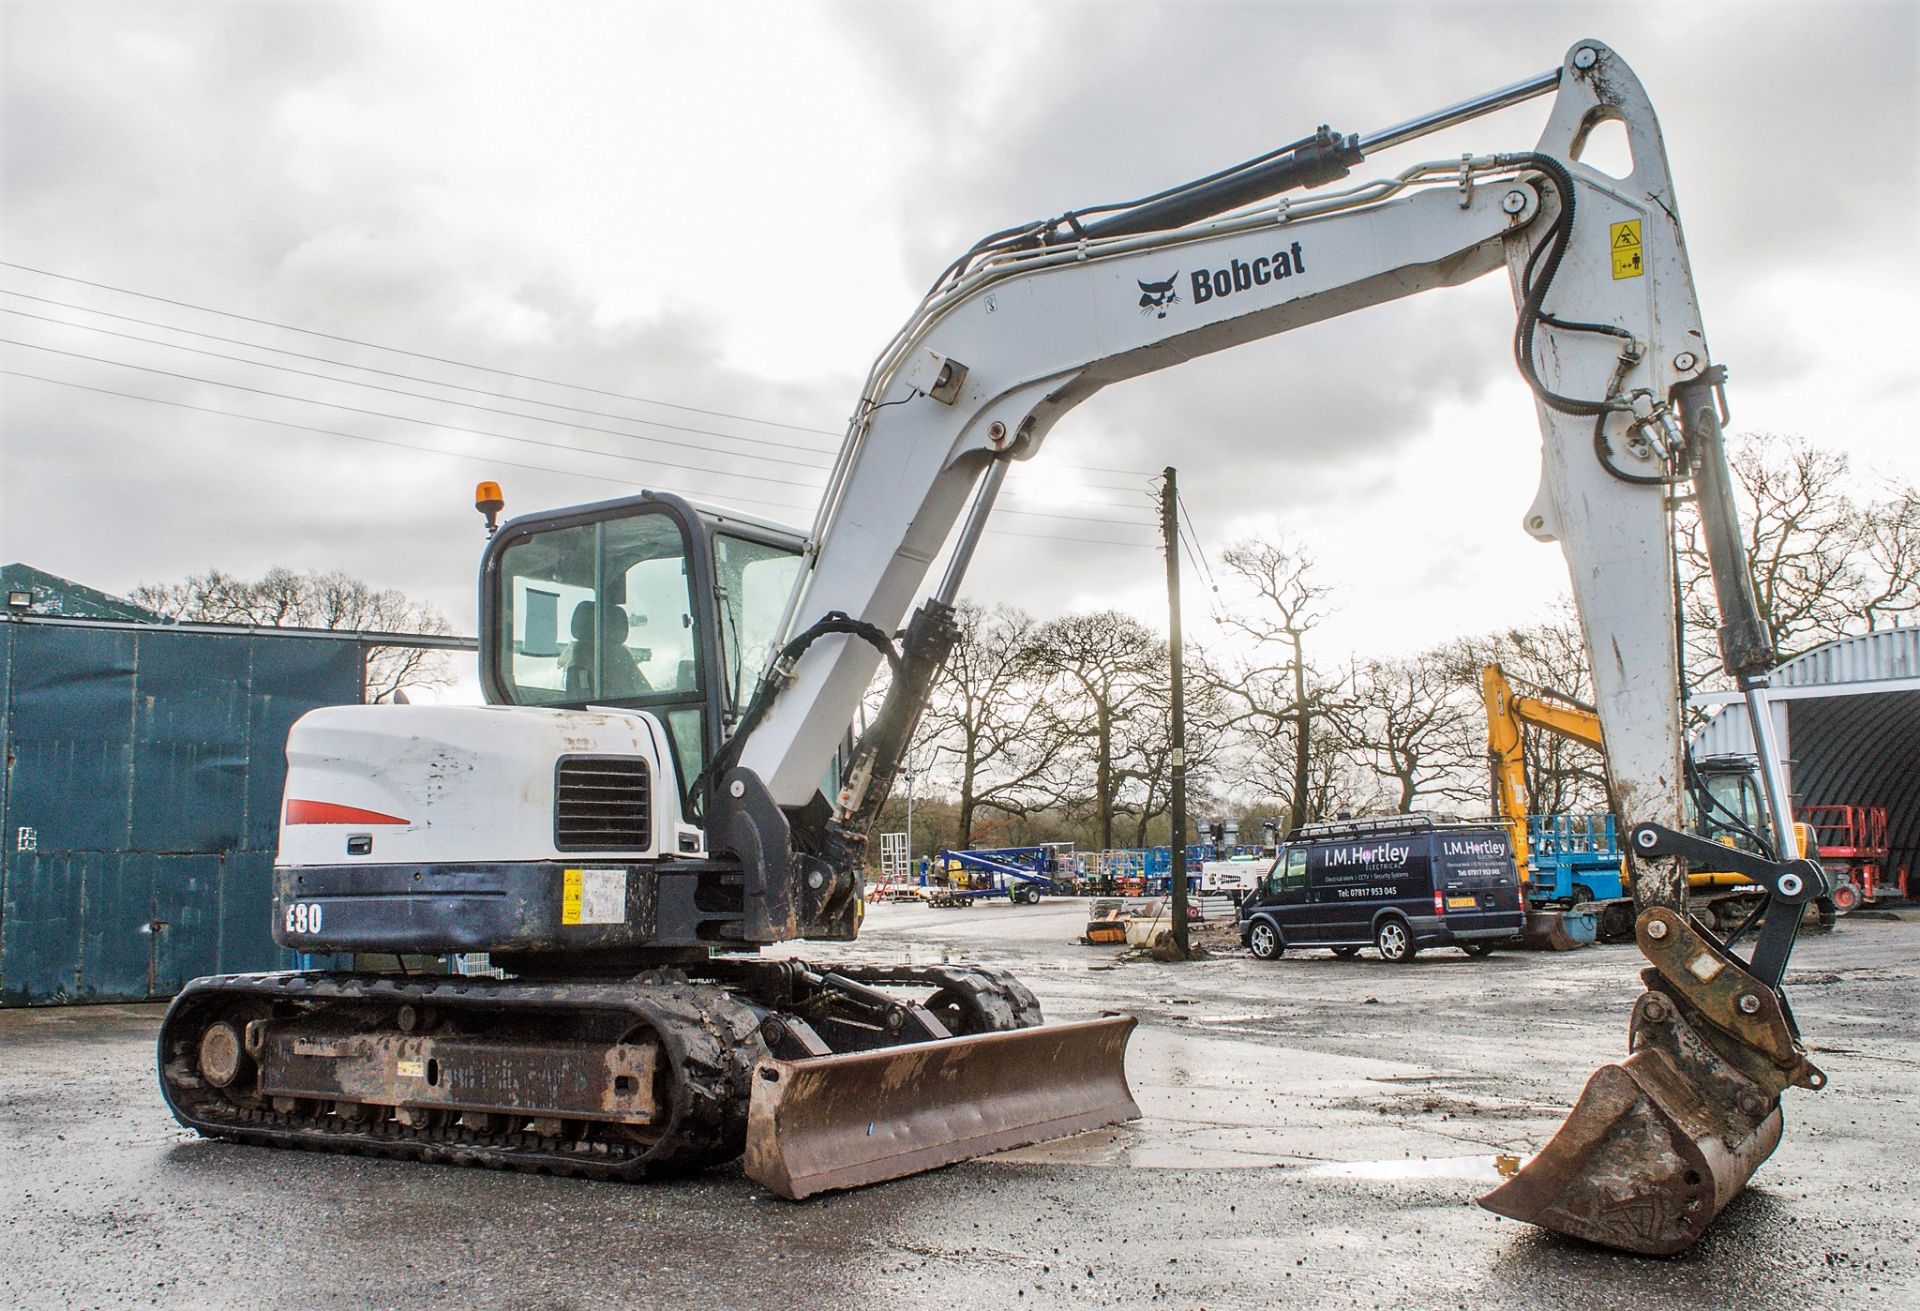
[(436, 829), (439, 785)]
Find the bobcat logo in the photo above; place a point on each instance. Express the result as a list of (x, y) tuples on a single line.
[(1156, 296)]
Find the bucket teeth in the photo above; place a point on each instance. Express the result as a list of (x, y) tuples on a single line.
[(831, 1122)]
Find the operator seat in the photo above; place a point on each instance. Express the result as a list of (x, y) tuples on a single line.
[(620, 676)]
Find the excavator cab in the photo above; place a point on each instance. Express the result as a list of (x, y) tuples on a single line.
[(1734, 809), (646, 603)]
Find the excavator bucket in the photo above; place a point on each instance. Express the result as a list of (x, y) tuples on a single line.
[(1558, 930), (842, 1121), (1640, 1164), (1660, 1143)]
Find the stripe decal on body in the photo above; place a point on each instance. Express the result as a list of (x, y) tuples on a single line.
[(325, 812)]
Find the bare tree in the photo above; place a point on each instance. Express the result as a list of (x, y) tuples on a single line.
[(1411, 725), (1105, 697), (985, 722), (1279, 700), (1828, 557), (282, 598)]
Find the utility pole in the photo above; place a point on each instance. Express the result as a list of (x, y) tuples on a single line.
[(912, 872), (1170, 531)]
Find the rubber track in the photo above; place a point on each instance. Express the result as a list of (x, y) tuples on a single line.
[(711, 1041)]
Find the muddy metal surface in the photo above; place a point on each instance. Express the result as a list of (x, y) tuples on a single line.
[(1315, 1132)]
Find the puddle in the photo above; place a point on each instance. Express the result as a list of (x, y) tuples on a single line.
[(1484, 1168), (1214, 1147)]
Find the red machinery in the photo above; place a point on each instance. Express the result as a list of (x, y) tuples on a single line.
[(1852, 845)]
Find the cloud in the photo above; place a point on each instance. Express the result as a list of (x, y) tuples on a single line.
[(732, 212)]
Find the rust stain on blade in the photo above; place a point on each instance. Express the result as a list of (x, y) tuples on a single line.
[(845, 1121)]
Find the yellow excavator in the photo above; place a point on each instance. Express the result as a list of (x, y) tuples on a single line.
[(1725, 805), (659, 789)]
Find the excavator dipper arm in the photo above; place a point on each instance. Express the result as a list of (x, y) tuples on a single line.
[(1036, 319)]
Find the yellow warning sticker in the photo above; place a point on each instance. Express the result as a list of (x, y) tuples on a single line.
[(1625, 240), (410, 1069), (591, 895)]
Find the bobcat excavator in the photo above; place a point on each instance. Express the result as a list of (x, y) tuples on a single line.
[(658, 789)]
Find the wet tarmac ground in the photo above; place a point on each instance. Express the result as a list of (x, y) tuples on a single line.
[(1315, 1131)]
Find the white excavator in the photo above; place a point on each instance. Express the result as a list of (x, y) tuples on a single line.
[(664, 783)]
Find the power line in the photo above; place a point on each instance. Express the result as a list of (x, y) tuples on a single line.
[(400, 350), (403, 418), (328, 432), (482, 459), (1204, 563), (614, 455), (441, 359), (437, 400), (1091, 541), (363, 368)]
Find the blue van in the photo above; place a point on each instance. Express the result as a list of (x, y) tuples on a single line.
[(1399, 884)]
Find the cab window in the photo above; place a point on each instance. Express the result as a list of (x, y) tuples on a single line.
[(597, 612), (752, 581), (1739, 794)]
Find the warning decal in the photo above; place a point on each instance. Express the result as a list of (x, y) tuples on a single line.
[(1625, 240), (593, 896)]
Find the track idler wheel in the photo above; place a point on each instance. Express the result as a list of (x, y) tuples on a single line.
[(223, 1054)]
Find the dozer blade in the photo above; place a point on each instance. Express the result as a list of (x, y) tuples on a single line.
[(1640, 1164), (844, 1121)]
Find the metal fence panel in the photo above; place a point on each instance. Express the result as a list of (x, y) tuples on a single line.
[(246, 914), (186, 920), (40, 928), (116, 933)]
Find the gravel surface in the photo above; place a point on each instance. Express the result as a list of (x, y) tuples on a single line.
[(1315, 1131)]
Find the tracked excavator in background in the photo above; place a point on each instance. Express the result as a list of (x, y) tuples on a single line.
[(659, 789)]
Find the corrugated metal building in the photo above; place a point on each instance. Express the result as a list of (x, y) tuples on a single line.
[(1848, 715), (141, 797)]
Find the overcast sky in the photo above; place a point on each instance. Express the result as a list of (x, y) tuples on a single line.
[(730, 207)]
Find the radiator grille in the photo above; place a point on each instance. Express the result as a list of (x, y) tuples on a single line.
[(602, 803)]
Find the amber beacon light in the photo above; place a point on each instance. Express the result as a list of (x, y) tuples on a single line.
[(488, 501)]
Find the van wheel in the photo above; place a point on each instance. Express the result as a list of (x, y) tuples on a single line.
[(1263, 940), (1395, 942), (1346, 953)]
